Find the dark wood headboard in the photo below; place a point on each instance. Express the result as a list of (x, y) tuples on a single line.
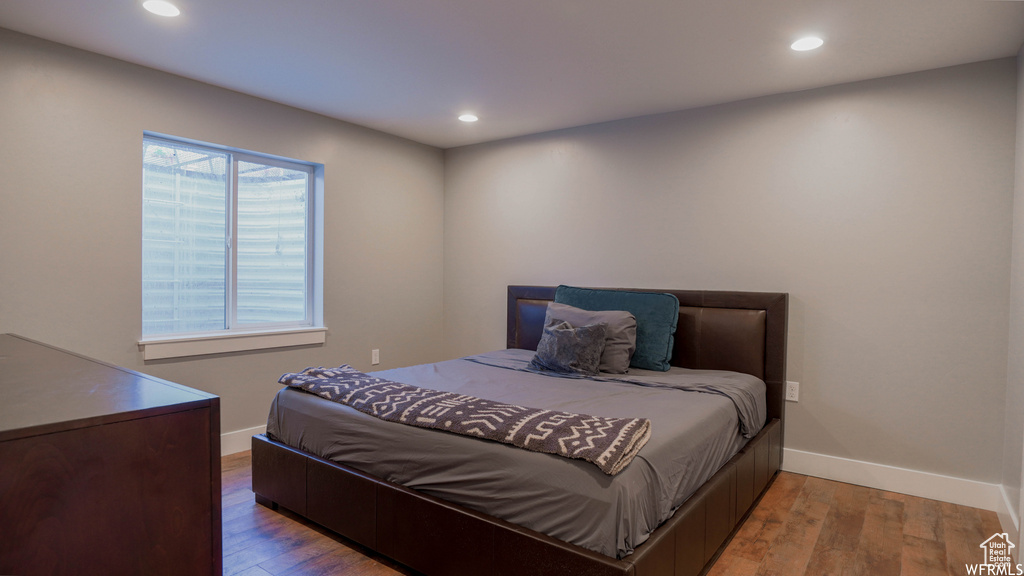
[(738, 331)]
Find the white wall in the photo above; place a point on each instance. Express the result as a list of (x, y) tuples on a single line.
[(1014, 422), (71, 126), (883, 208)]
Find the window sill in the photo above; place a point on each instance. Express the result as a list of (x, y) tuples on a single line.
[(192, 345)]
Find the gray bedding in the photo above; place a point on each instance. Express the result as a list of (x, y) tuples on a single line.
[(608, 443), (693, 434)]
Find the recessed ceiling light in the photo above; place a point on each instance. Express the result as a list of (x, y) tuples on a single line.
[(807, 43), (161, 8), (468, 118)]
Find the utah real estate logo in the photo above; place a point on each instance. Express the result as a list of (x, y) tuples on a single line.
[(997, 559)]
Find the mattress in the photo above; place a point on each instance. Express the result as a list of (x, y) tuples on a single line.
[(699, 420)]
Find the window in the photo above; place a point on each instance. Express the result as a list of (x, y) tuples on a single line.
[(228, 248)]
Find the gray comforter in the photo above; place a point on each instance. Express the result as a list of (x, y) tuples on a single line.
[(696, 427), (608, 443)]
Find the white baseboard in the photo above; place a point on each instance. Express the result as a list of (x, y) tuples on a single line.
[(239, 440), (1008, 517), (912, 482)]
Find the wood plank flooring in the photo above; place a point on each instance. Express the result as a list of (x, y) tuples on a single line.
[(804, 526), (813, 527), (261, 542)]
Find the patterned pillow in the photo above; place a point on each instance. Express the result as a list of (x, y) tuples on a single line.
[(565, 348), (619, 339)]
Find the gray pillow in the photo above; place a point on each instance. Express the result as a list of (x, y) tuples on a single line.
[(564, 348), (619, 340)]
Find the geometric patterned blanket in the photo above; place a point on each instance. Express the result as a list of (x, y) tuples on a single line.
[(609, 443)]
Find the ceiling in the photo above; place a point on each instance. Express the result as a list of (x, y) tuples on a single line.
[(410, 67)]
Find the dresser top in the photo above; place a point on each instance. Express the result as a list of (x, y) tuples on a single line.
[(45, 390)]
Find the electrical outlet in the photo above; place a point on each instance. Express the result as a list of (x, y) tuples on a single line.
[(792, 391), (375, 356)]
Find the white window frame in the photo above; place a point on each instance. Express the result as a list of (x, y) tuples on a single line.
[(254, 336)]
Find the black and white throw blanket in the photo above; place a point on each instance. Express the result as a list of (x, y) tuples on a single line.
[(609, 443)]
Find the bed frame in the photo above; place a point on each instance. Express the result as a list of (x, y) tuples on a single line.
[(740, 331)]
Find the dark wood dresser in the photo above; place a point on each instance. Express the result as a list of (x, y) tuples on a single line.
[(104, 470)]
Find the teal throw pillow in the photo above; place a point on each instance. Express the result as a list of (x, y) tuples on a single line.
[(657, 314)]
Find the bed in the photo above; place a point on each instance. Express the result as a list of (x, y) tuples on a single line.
[(738, 331)]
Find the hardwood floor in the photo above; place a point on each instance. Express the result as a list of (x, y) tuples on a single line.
[(809, 526), (261, 542), (803, 526)]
